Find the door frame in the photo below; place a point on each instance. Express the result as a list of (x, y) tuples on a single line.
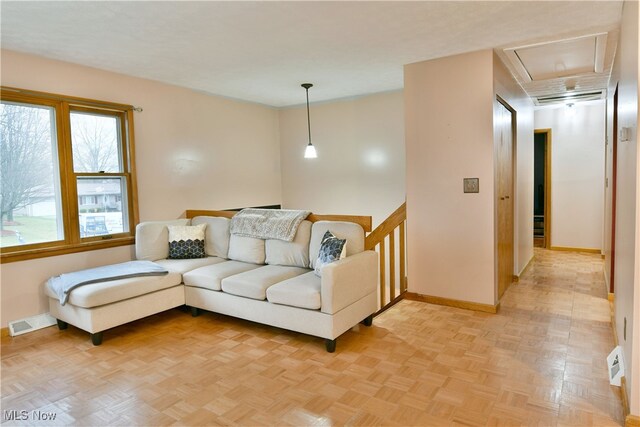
[(514, 174), (547, 185), (614, 189)]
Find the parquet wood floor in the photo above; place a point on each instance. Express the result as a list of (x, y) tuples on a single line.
[(539, 361)]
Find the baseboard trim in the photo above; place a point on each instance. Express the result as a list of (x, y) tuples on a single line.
[(4, 332), (623, 380), (516, 277), (468, 305), (625, 399), (569, 249), (632, 421)]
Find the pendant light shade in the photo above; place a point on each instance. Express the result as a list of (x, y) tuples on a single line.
[(310, 151)]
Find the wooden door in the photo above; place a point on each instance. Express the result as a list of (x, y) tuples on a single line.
[(504, 128)]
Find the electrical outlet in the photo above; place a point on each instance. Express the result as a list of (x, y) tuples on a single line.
[(471, 185)]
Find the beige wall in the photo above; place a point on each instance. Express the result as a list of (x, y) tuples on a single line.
[(192, 151), (449, 136), (449, 107), (626, 73), (360, 168), (577, 173), (509, 90)]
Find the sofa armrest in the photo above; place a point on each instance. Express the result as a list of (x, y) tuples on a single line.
[(347, 280)]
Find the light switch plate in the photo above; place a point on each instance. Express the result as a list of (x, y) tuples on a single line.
[(471, 185)]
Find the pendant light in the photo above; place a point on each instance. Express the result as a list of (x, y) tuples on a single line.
[(310, 151)]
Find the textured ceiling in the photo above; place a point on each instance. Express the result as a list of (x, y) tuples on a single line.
[(262, 51)]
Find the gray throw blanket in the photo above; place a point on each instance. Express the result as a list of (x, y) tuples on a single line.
[(281, 224), (63, 284)]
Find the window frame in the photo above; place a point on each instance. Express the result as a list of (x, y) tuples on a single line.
[(72, 242)]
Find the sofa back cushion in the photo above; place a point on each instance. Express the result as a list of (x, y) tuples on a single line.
[(246, 249), (216, 238), (152, 239), (352, 232), (294, 253)]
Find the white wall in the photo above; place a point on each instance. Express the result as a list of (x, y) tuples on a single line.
[(626, 73), (449, 136), (360, 169), (193, 151), (577, 173)]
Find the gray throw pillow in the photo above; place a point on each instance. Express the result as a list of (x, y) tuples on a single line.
[(331, 249)]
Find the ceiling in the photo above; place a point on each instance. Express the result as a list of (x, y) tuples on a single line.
[(262, 51), (564, 70)]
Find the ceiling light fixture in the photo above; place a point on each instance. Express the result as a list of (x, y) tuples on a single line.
[(310, 151)]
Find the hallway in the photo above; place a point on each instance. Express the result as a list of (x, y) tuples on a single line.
[(539, 361)]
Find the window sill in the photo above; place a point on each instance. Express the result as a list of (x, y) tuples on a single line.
[(66, 249)]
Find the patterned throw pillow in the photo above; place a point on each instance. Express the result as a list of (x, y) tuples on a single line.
[(186, 241), (331, 249)]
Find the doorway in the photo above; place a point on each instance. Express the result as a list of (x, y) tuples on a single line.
[(542, 188), (505, 120)]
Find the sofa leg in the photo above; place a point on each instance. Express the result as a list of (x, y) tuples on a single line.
[(331, 345), (61, 324), (195, 312), (96, 338), (368, 321)]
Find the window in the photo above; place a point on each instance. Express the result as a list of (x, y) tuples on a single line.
[(67, 181)]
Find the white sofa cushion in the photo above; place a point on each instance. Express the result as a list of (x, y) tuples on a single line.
[(102, 293), (183, 265), (210, 277), (294, 253), (352, 232), (254, 283), (246, 249), (216, 239), (152, 239), (301, 291)]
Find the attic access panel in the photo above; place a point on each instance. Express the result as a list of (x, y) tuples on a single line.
[(561, 58)]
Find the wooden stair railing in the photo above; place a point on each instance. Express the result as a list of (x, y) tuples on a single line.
[(378, 238)]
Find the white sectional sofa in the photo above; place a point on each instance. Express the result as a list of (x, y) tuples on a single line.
[(265, 281)]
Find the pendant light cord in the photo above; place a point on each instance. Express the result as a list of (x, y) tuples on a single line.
[(308, 118)]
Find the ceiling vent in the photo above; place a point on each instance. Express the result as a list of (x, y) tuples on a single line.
[(569, 97)]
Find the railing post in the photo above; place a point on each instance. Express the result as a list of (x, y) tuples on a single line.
[(392, 265), (383, 262), (378, 237), (403, 282)]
